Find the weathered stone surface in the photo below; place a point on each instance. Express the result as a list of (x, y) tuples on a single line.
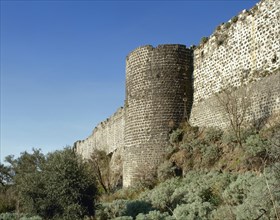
[(107, 136), (156, 82), (244, 50)]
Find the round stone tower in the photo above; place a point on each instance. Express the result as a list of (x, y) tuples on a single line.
[(158, 82)]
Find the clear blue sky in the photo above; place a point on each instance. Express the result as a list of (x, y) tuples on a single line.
[(63, 62)]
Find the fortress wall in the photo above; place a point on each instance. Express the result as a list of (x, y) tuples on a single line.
[(264, 96), (107, 136), (166, 83), (156, 84), (244, 50)]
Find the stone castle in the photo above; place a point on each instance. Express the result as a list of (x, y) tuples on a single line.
[(169, 83)]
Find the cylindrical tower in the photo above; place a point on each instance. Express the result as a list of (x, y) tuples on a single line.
[(158, 81)]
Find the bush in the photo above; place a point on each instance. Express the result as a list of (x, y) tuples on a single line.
[(204, 40), (161, 196), (229, 139), (190, 132), (165, 171), (234, 19), (129, 193), (176, 136), (212, 134), (211, 154), (195, 189), (155, 215), (201, 195), (124, 218), (14, 216), (147, 179), (120, 208), (237, 191), (227, 25), (255, 146), (8, 216), (135, 207), (195, 210), (223, 212), (259, 200)]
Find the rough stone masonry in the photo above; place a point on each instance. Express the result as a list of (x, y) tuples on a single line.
[(169, 82)]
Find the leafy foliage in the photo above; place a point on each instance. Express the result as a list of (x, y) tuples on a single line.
[(213, 134), (13, 216), (204, 40), (176, 136), (214, 195), (56, 186), (154, 215), (100, 163), (61, 186), (166, 170), (119, 208), (256, 146)]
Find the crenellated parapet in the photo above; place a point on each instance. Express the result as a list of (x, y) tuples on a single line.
[(107, 135)]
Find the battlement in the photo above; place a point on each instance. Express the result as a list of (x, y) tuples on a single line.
[(107, 135), (148, 47)]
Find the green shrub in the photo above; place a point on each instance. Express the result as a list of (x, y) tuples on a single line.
[(176, 136), (261, 200), (229, 139), (134, 207), (218, 27), (234, 19), (210, 154), (204, 40), (121, 207), (255, 146), (190, 133), (124, 218), (273, 151), (155, 215), (112, 210), (14, 216), (147, 179), (223, 212), (193, 144), (8, 216), (165, 171), (195, 210), (227, 25), (237, 191), (161, 196), (270, 137), (195, 189), (129, 193), (31, 218), (212, 134)]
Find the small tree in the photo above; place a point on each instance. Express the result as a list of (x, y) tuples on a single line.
[(100, 163), (235, 104)]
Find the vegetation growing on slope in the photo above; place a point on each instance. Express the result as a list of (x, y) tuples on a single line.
[(207, 174)]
